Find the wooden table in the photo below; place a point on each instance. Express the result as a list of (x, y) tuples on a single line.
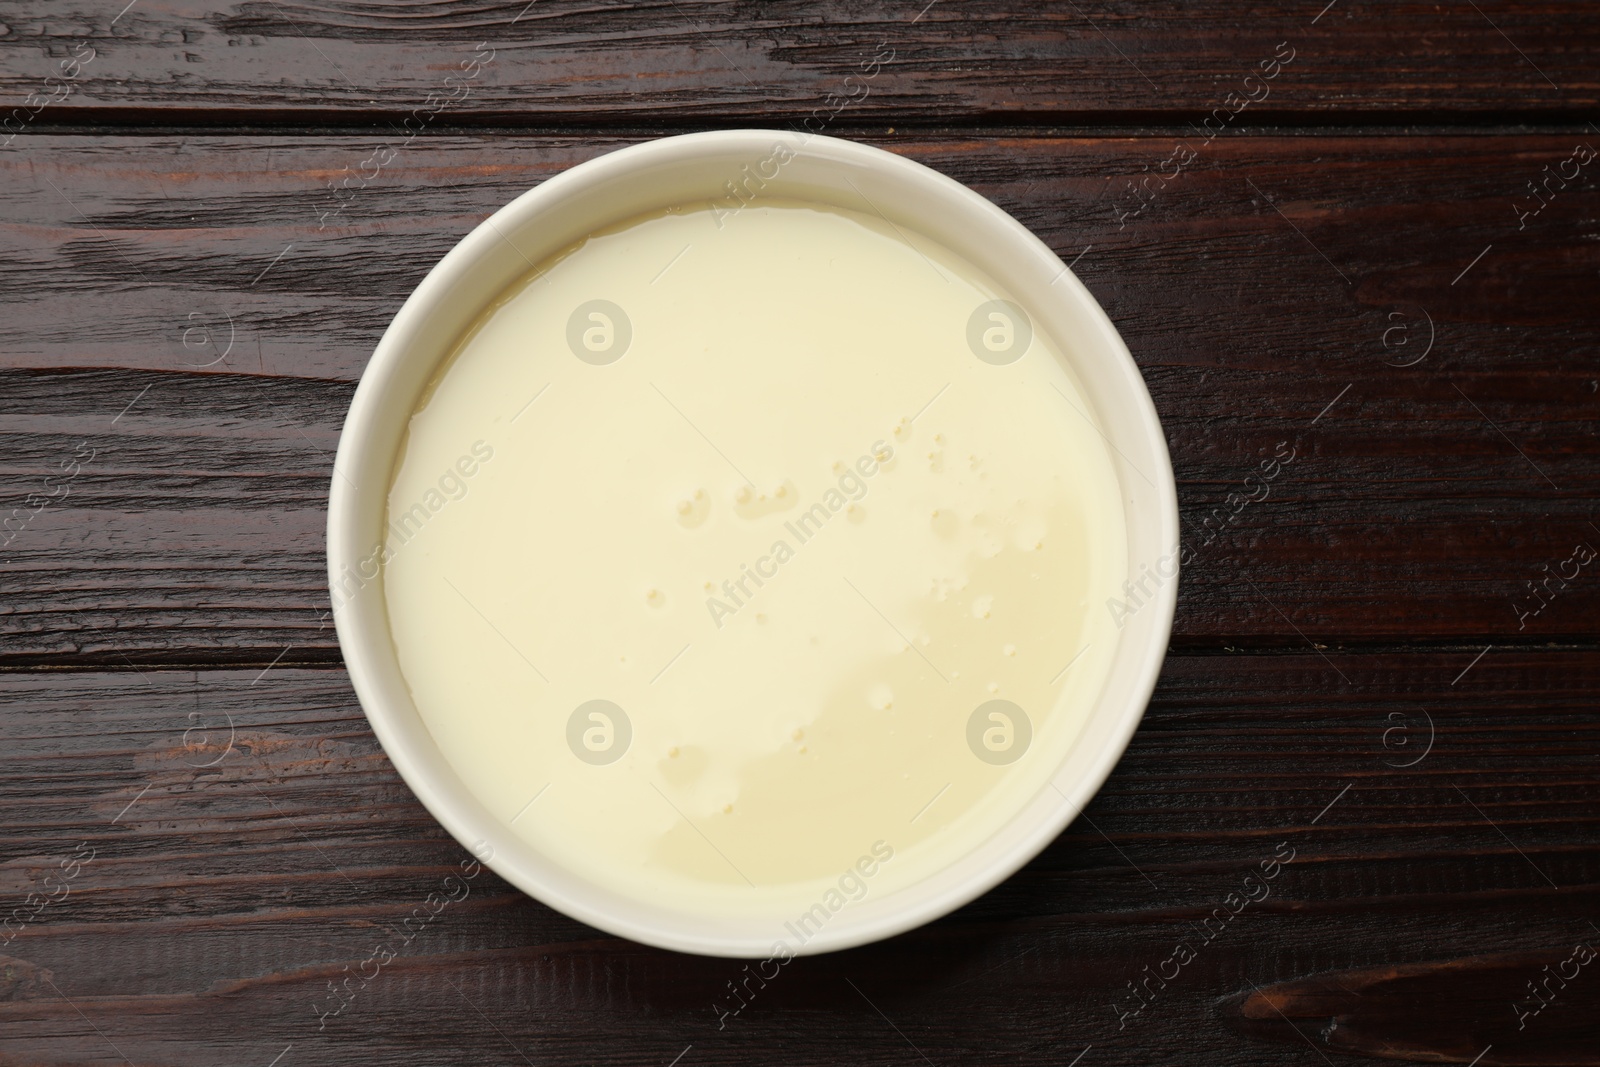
[(1367, 233)]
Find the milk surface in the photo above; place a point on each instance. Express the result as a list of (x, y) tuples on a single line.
[(729, 550)]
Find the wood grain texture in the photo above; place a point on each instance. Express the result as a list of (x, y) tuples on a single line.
[(1394, 1012), (691, 60), (201, 853), (1270, 294), (236, 871)]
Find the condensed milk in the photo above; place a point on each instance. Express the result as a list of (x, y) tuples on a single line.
[(724, 553)]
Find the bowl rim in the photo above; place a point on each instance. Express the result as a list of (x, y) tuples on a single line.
[(360, 638)]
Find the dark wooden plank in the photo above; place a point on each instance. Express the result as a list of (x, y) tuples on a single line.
[(978, 60), (1423, 499), (1450, 1010), (230, 883)]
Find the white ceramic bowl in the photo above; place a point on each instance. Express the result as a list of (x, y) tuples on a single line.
[(691, 168)]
